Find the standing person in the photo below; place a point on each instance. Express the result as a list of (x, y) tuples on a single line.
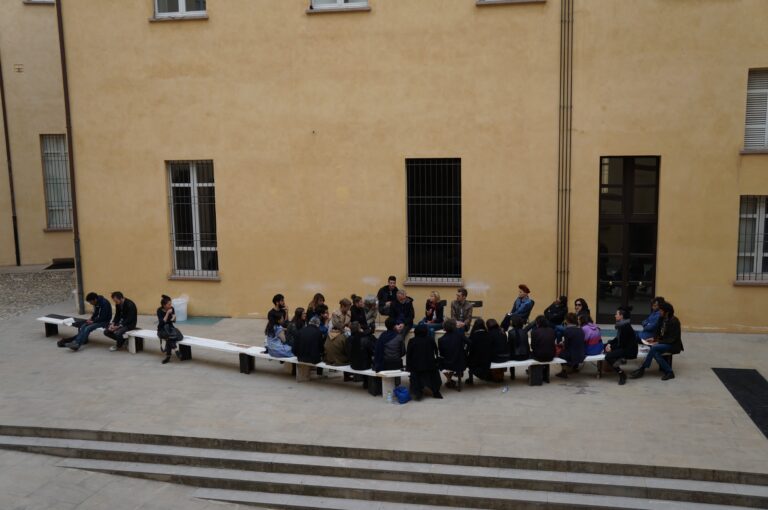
[(651, 324), (668, 340), (276, 342), (402, 311), (624, 345), (461, 311), (519, 349), (387, 295), (390, 348), (102, 313), (123, 321), (357, 312), (521, 307), (294, 326), (593, 339), (573, 345), (371, 312), (542, 341), (167, 315), (556, 312), (308, 346), (433, 315), (453, 356), (480, 351), (421, 362), (317, 301)]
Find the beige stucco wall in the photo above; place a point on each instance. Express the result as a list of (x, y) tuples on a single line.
[(309, 119), (7, 254), (35, 106)]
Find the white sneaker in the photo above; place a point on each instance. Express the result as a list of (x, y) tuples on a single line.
[(113, 348)]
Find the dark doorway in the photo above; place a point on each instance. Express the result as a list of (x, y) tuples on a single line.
[(626, 259)]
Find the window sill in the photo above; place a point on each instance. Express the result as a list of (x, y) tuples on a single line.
[(750, 283), (180, 17), (482, 3), (64, 229), (434, 282), (194, 278), (39, 2), (746, 152), (328, 10)]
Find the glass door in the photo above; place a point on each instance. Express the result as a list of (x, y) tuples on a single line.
[(626, 252)]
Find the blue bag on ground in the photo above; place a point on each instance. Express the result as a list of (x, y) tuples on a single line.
[(402, 394)]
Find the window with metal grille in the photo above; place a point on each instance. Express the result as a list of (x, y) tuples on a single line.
[(756, 126), (752, 261), (434, 220), (192, 200), (58, 200), (179, 7)]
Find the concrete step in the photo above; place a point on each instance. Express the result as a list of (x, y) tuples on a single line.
[(475, 476), (446, 496)]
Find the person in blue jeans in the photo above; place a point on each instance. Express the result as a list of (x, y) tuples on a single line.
[(433, 315), (102, 314), (668, 341), (651, 324), (521, 308)]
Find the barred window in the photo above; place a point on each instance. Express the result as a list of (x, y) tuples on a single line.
[(434, 220), (752, 262), (179, 7), (58, 199), (192, 201)]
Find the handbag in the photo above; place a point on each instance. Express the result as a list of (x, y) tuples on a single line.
[(558, 350), (171, 333)]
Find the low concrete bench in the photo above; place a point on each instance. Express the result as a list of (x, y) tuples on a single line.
[(52, 322), (642, 353), (538, 371)]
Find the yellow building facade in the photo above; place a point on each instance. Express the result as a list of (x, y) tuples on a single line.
[(238, 149), (36, 135)]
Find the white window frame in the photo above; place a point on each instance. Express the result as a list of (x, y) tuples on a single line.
[(196, 242), (181, 13), (757, 92), (341, 4), (758, 271)]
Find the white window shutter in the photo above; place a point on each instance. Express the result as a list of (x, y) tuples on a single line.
[(756, 125)]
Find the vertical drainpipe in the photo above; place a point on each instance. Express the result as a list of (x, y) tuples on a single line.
[(71, 158), (564, 146), (10, 167)]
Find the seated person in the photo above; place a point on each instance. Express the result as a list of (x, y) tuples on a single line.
[(276, 343), (480, 351), (452, 348), (102, 313), (573, 345), (542, 341), (390, 348), (517, 339), (651, 324), (124, 320), (371, 312), (593, 339), (461, 311), (341, 318), (421, 362), (556, 312), (402, 311), (499, 342), (387, 295), (624, 345), (357, 312), (668, 340), (312, 308), (360, 351), (166, 331), (321, 312), (308, 346), (433, 315), (521, 308), (295, 325)]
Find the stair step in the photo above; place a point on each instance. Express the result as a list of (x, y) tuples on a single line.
[(376, 490), (583, 483)]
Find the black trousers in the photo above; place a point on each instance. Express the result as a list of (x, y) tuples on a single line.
[(614, 358), (118, 335), (428, 378)]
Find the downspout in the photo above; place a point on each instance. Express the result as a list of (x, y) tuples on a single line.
[(10, 167), (564, 147), (71, 158)]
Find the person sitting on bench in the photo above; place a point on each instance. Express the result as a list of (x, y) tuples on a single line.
[(453, 357), (295, 325), (668, 341), (276, 342), (461, 311), (387, 296), (624, 345), (521, 308), (390, 348), (102, 313), (360, 348), (336, 343), (312, 308), (651, 324), (556, 312), (542, 341), (593, 338), (421, 362), (519, 349), (573, 346), (357, 312), (308, 347), (480, 351), (433, 315), (371, 313), (124, 320), (402, 311), (166, 316)]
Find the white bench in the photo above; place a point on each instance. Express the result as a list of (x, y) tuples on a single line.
[(53, 321)]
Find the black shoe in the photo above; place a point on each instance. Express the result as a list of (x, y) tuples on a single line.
[(622, 378), (166, 360), (668, 375), (637, 374), (75, 347), (562, 375), (63, 342), (437, 394)]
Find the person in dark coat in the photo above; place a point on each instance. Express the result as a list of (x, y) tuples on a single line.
[(573, 345), (123, 321), (295, 325), (433, 313), (480, 351), (357, 313), (387, 295), (669, 340), (308, 346), (102, 314), (390, 348), (402, 311), (453, 356), (498, 341), (542, 341), (517, 339), (166, 314), (421, 362), (556, 312), (360, 351), (624, 345)]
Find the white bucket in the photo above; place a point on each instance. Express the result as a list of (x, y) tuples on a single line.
[(180, 305)]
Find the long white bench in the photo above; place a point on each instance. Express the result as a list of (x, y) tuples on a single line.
[(53, 321)]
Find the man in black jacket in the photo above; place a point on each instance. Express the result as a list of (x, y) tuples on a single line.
[(123, 322), (387, 295), (421, 362), (308, 346), (102, 313), (402, 311)]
